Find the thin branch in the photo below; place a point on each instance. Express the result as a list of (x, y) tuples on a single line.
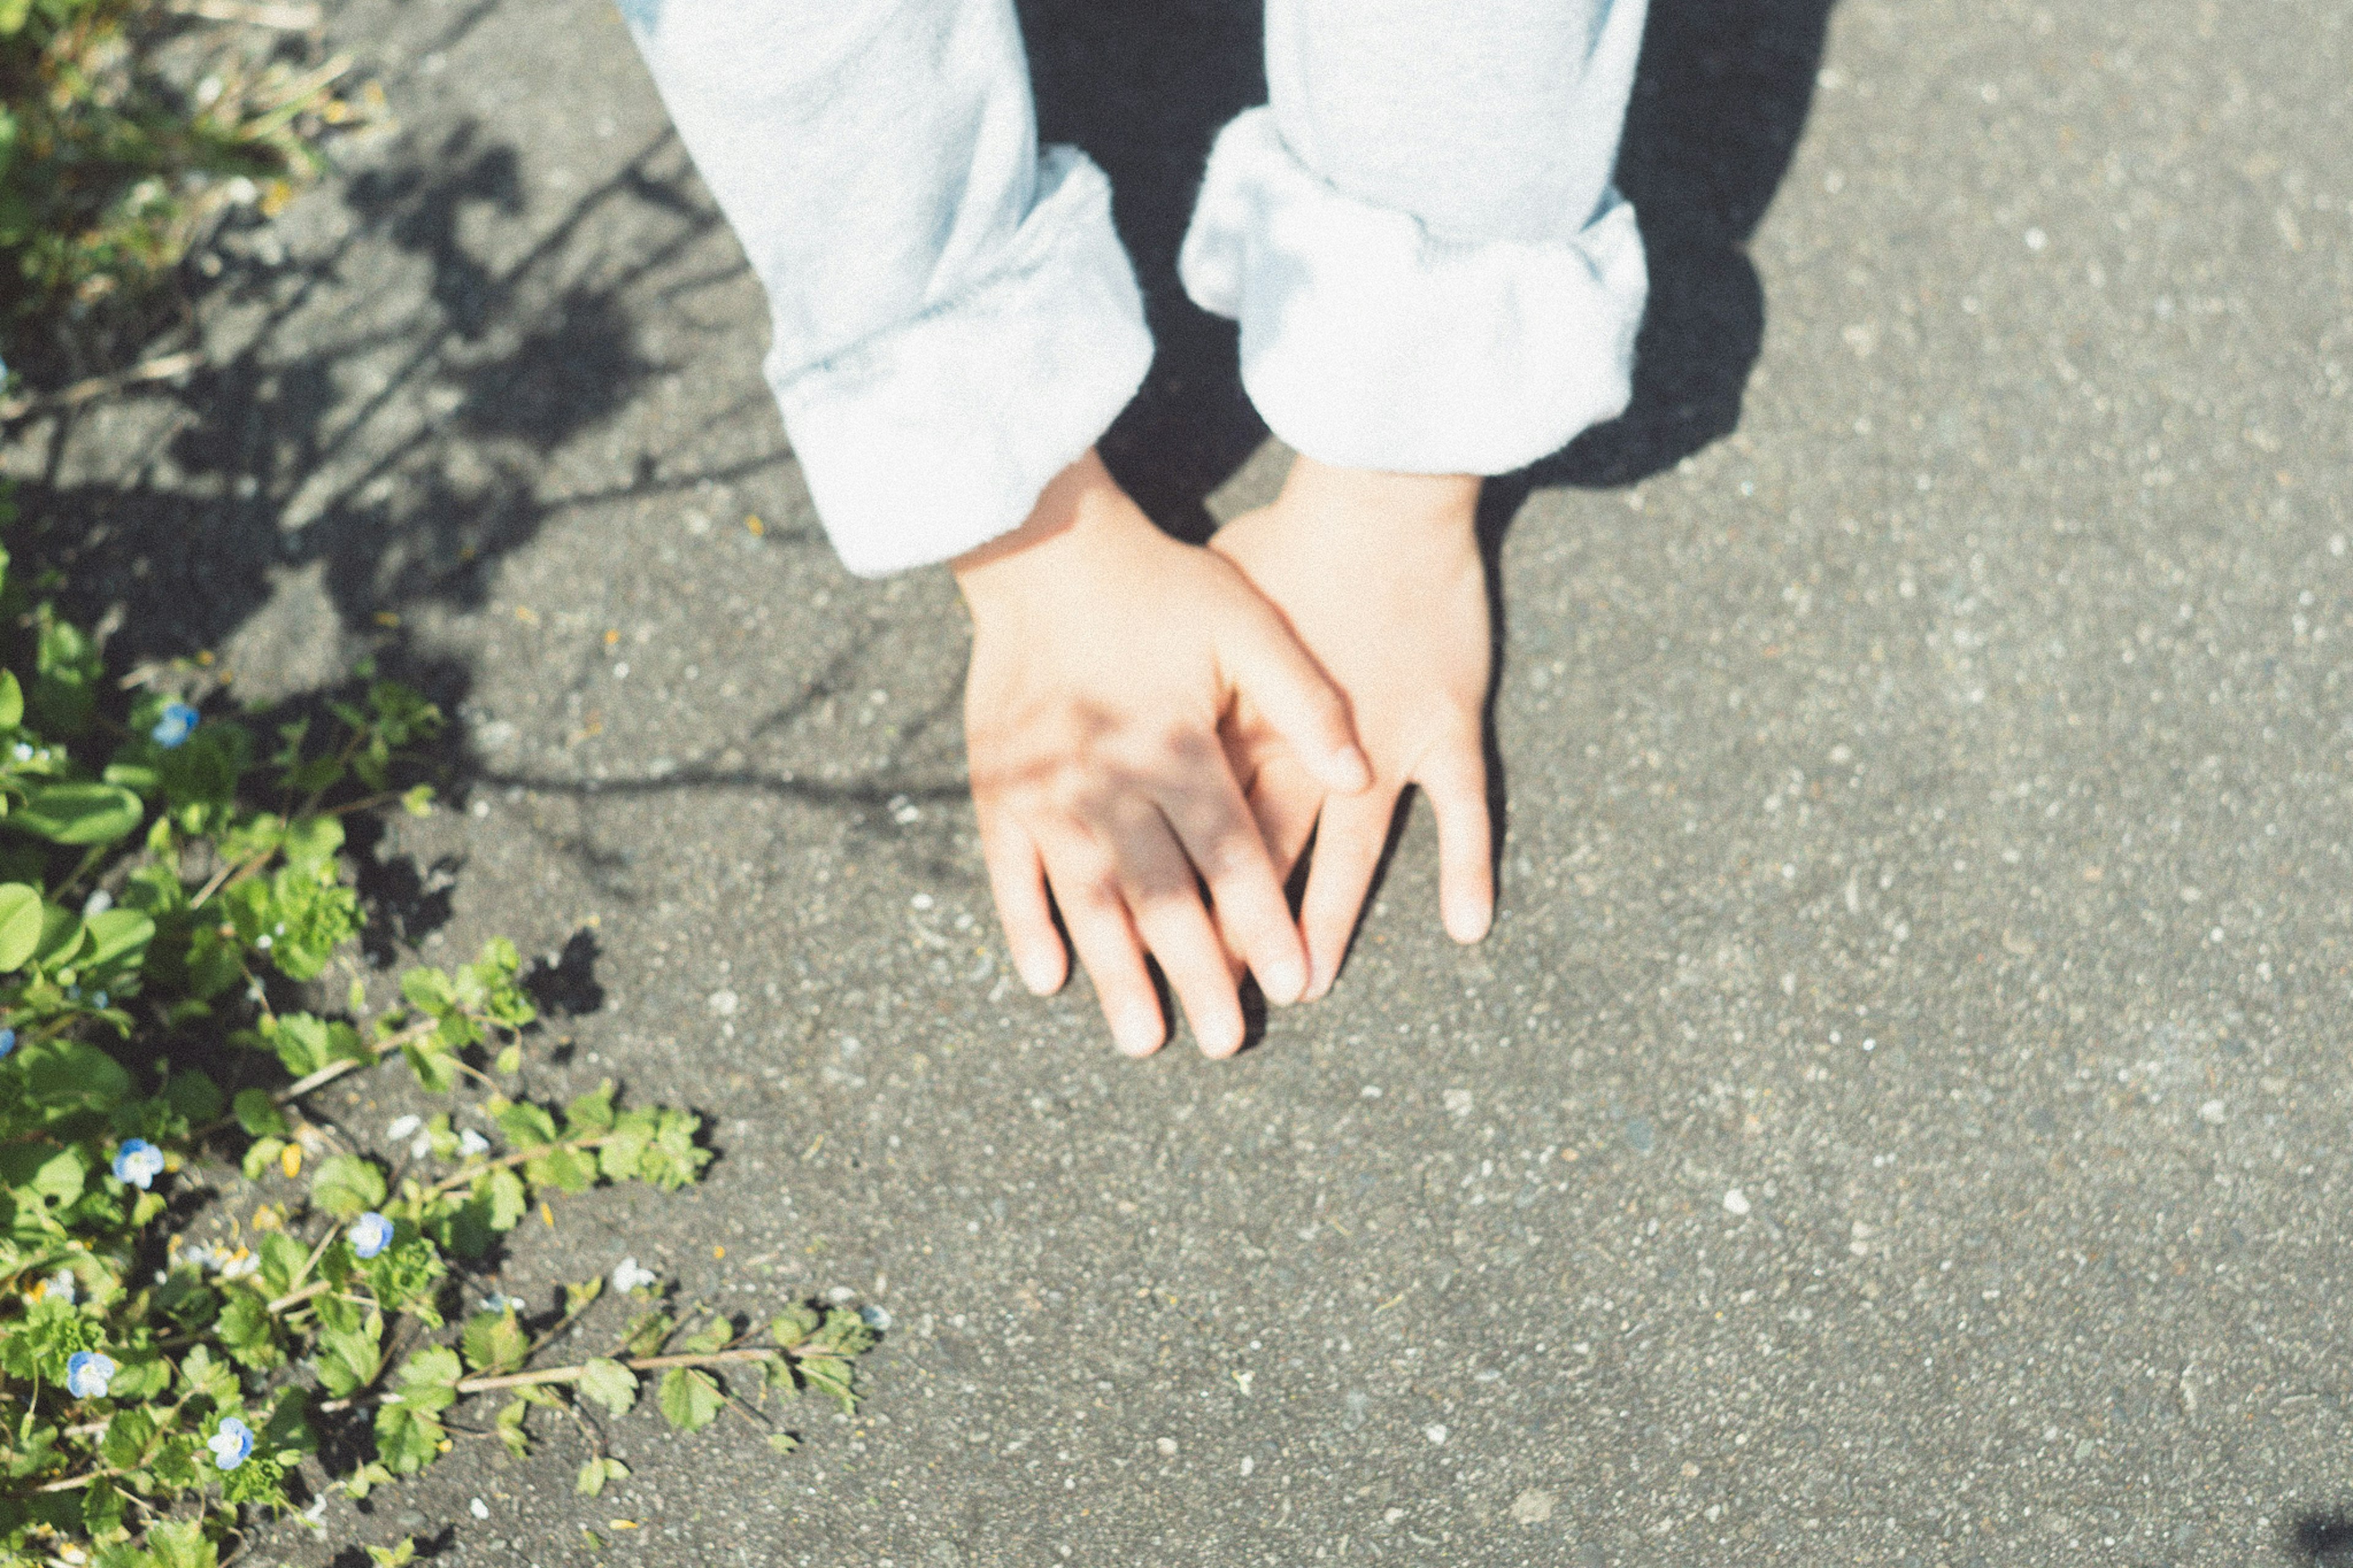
[(162, 368), (573, 1373), (286, 18)]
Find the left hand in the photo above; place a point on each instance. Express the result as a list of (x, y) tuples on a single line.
[(1380, 578)]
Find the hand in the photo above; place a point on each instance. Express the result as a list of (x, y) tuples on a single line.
[(1105, 656), (1380, 576)]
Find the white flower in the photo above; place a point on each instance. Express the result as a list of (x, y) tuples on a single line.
[(471, 1143), (97, 904), (60, 1285), (629, 1277), (238, 1266), (402, 1126)]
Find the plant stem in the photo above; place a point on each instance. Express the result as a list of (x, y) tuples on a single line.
[(573, 1373), (327, 1075), (466, 1177)]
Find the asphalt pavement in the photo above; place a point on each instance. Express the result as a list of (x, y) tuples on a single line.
[(1901, 1114)]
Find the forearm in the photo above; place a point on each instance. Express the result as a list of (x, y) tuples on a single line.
[(953, 318)]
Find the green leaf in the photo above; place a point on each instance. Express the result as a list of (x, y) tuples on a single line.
[(794, 1325), (830, 1375), (347, 1186), (305, 1044), (591, 1114), (398, 1555), (59, 1077), (494, 1341), (193, 1095), (118, 939), (508, 1423), (203, 1373), (79, 813), (714, 1336), (565, 1170), (783, 1442), (312, 842), (509, 1202), (282, 1260), (689, 1400), (437, 1367), (349, 1359), (12, 700), (609, 1384), (127, 1433), (597, 1472), (257, 1113), (249, 1331), (20, 923), (181, 1543), (527, 1126)]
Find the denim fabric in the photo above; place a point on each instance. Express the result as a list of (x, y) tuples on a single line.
[(1418, 236)]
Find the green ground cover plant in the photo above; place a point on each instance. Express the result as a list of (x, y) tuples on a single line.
[(175, 891), (129, 129)]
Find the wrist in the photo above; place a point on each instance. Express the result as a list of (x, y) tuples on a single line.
[(1077, 504), (1352, 509)]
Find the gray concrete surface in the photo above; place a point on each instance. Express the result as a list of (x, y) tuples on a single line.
[(1901, 1114)]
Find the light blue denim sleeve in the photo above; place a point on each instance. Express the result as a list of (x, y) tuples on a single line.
[(1418, 234), (952, 320)]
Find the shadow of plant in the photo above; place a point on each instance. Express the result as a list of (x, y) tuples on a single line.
[(401, 447)]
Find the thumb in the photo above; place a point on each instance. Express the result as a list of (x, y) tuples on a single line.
[(1296, 699)]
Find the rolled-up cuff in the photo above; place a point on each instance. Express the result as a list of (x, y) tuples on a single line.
[(939, 434), (1370, 342)]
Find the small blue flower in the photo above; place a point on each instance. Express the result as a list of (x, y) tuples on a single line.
[(88, 1373), (178, 722), (139, 1163), (370, 1233), (8, 1043), (24, 751), (231, 1444)]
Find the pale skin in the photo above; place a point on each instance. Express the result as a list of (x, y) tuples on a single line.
[(1105, 656), (1380, 576), (1140, 711)]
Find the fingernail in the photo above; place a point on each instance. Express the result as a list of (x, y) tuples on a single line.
[(1037, 974), (1284, 982), (1318, 984), (1468, 923), (1349, 768), (1139, 1032)]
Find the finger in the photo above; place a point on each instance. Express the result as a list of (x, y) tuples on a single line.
[(1298, 702), (1348, 840), (1456, 782), (1016, 882), (1284, 801), (1159, 884), (1214, 825), (1107, 946)]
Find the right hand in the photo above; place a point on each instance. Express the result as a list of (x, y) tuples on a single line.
[(1105, 656)]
